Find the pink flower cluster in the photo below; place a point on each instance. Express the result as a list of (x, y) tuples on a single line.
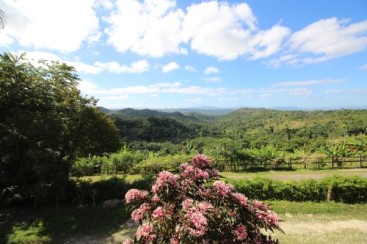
[(241, 232), (164, 179), (196, 222), (145, 232), (222, 188), (200, 161), (240, 198), (134, 195), (138, 213), (195, 173), (183, 208)]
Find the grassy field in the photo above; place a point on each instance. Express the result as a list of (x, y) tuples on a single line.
[(276, 175), (296, 174), (305, 222), (321, 222)]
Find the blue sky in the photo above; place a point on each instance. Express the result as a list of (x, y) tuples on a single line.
[(179, 54)]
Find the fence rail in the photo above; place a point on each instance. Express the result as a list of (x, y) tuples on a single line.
[(275, 164), (297, 163)]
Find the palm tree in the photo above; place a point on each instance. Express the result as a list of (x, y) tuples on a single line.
[(2, 19)]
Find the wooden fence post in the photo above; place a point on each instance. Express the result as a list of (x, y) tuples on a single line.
[(360, 160), (289, 163)]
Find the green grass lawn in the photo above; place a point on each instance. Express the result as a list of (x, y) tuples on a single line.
[(95, 178), (296, 174), (309, 222)]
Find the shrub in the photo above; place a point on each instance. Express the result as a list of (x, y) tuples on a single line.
[(336, 188), (191, 208)]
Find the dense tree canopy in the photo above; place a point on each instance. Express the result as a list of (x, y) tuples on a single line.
[(45, 124)]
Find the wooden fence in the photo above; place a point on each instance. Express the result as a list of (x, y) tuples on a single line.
[(296, 163), (250, 165)]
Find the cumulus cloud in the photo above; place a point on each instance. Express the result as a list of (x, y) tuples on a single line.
[(91, 88), (290, 92), (171, 66), (219, 29), (114, 67), (211, 70), (151, 28), (323, 40), (308, 82), (61, 25), (95, 68)]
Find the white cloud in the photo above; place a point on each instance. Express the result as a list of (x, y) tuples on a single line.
[(227, 31), (114, 67), (5, 39), (219, 29), (91, 89), (308, 82), (211, 70), (171, 66), (364, 67), (151, 27), (61, 25), (290, 92), (96, 68), (325, 39), (268, 42), (213, 79), (190, 68)]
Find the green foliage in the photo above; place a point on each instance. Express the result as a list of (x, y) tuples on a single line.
[(45, 124), (339, 189), (155, 164)]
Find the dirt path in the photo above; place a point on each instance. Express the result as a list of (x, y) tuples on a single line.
[(311, 229)]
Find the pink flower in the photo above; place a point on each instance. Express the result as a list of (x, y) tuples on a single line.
[(260, 205), (241, 232), (156, 198), (187, 204), (145, 232), (175, 240), (240, 198), (272, 218), (165, 178), (138, 213), (200, 161), (204, 207), (222, 188), (198, 224), (158, 213), (135, 195), (128, 241)]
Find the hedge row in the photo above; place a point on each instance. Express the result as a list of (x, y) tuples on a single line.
[(352, 189)]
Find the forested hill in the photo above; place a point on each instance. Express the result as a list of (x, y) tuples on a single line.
[(350, 121), (259, 127), (130, 113)]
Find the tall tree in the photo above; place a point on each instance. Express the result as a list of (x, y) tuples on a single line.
[(45, 124)]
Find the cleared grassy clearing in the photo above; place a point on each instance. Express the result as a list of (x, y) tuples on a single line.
[(95, 178), (276, 175), (296, 174)]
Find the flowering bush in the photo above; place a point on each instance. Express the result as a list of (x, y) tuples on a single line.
[(190, 208)]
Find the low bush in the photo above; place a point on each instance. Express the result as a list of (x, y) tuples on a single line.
[(351, 189), (194, 207)]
